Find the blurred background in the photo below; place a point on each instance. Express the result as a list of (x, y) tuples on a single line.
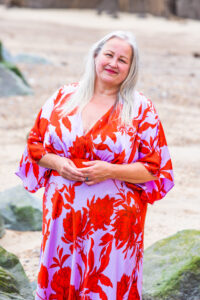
[(43, 44)]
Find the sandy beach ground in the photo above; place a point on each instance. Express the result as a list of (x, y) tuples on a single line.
[(169, 75)]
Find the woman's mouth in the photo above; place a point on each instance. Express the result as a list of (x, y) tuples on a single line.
[(111, 71)]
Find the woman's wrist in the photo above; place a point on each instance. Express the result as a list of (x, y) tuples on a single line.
[(50, 161), (113, 171)]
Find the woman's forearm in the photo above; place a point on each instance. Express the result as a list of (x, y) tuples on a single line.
[(63, 165), (133, 173), (49, 161)]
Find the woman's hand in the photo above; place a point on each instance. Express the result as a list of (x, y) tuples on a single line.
[(63, 165), (96, 171), (67, 169)]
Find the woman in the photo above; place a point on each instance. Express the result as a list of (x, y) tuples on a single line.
[(99, 149)]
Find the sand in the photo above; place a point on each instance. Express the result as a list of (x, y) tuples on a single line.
[(169, 76)]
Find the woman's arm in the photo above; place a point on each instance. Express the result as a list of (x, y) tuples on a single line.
[(97, 171), (63, 165), (133, 173)]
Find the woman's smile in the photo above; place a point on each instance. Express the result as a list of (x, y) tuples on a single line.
[(111, 71)]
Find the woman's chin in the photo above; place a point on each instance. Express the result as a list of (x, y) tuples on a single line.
[(109, 80)]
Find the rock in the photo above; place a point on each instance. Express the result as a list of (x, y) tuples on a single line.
[(7, 282), (196, 54), (15, 69), (14, 284), (31, 59), (12, 81), (2, 229), (11, 84), (172, 268), (188, 9), (53, 4), (34, 287), (5, 54), (8, 61), (182, 8), (155, 7), (20, 210)]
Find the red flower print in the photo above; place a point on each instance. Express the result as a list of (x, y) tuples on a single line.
[(60, 259), (43, 277), (61, 284), (100, 211), (133, 293), (80, 147), (93, 275), (126, 227), (76, 227), (45, 224), (58, 202), (122, 287), (46, 234)]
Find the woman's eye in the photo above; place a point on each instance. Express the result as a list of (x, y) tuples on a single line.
[(123, 61), (108, 54)]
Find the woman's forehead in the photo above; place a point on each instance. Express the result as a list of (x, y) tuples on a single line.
[(117, 44)]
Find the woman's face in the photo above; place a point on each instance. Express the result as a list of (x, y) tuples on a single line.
[(113, 62)]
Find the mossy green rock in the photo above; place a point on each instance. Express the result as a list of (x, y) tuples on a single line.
[(14, 284), (2, 229), (15, 69), (172, 268), (7, 282), (20, 210), (5, 54), (12, 81)]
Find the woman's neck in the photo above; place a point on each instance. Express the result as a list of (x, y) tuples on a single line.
[(102, 90)]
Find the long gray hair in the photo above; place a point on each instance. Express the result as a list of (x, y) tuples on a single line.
[(85, 89)]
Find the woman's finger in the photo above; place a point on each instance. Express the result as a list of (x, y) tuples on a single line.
[(72, 170), (89, 163), (90, 182), (73, 177)]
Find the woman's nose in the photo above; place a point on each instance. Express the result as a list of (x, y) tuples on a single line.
[(113, 63)]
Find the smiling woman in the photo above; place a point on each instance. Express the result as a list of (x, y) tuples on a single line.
[(99, 149), (113, 63)]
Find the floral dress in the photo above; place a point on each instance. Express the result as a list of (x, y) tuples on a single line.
[(92, 245)]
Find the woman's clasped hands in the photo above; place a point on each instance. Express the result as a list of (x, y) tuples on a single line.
[(94, 171)]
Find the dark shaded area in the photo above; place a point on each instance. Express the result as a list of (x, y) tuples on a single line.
[(180, 8), (111, 7)]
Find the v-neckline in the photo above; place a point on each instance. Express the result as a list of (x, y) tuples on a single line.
[(96, 122)]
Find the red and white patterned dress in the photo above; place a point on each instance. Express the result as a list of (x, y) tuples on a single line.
[(92, 246)]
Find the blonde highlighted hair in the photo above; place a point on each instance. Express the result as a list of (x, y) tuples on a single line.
[(85, 89)]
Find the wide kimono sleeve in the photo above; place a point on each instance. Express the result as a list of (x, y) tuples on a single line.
[(34, 176), (153, 153)]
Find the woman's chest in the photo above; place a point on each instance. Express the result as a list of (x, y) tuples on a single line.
[(92, 114), (105, 140)]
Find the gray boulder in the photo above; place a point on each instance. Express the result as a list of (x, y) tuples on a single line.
[(20, 210), (12, 81), (11, 84), (31, 59), (14, 284), (172, 268), (2, 229), (188, 9), (5, 54)]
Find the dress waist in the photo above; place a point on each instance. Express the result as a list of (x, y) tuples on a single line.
[(79, 162)]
